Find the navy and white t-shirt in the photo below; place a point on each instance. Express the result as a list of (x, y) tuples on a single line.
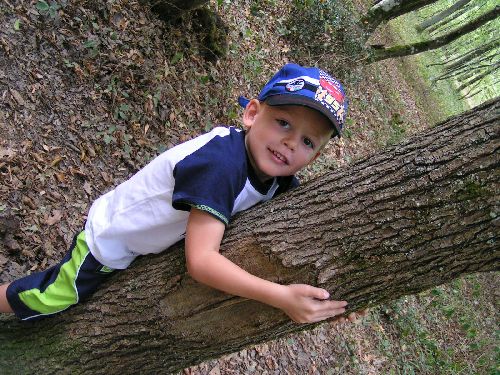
[(149, 212)]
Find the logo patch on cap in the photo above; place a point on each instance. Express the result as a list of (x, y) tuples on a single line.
[(332, 90), (296, 85), (329, 93)]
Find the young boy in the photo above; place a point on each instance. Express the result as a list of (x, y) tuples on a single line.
[(191, 191)]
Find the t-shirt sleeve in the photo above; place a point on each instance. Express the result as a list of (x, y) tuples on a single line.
[(210, 179)]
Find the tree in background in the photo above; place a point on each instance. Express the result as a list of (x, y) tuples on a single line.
[(386, 10), (442, 23), (378, 53), (470, 68), (444, 14), (471, 62)]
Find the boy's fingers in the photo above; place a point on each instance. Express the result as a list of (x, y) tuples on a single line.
[(338, 320), (321, 293), (335, 304), (318, 293), (332, 308), (328, 309), (352, 317)]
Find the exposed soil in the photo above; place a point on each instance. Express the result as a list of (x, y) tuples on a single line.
[(91, 91)]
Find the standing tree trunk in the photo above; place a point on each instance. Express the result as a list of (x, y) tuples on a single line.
[(378, 54), (463, 60), (442, 15), (396, 223), (475, 79), (386, 10)]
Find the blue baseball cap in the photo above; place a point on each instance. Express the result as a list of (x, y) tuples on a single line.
[(310, 87)]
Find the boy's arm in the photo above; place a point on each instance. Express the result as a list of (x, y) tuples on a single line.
[(4, 304), (302, 303)]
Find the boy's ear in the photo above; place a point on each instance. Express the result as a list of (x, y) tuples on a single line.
[(251, 111), (321, 148)]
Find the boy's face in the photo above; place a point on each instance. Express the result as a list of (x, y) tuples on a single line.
[(281, 140)]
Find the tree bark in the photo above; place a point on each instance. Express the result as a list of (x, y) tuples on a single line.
[(378, 54), (442, 15), (412, 217), (386, 10)]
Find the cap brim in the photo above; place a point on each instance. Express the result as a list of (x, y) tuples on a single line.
[(243, 101), (290, 99)]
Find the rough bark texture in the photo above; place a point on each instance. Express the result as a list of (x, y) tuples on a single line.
[(378, 54), (414, 216)]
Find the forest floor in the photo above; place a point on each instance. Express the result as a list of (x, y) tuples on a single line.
[(90, 92)]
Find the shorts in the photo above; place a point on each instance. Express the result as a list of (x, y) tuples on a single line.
[(56, 289)]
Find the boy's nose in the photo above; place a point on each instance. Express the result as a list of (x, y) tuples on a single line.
[(290, 142)]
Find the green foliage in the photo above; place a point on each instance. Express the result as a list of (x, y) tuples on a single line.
[(223, 2), (398, 129), (176, 58), (253, 66), (325, 33), (45, 8), (413, 338), (92, 46), (258, 7), (42, 6), (122, 111)]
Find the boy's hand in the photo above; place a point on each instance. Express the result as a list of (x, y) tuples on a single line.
[(308, 304), (352, 317), (302, 303)]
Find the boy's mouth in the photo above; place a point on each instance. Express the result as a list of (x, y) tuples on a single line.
[(279, 156)]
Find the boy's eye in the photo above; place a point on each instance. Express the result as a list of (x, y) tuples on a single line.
[(308, 143), (284, 124)]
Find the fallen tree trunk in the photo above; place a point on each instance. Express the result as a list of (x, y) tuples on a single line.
[(412, 217)]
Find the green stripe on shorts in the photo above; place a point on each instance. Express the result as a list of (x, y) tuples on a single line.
[(62, 293)]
